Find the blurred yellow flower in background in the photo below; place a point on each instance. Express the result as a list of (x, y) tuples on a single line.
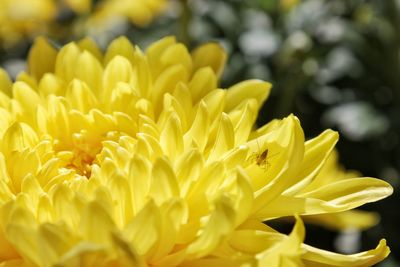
[(287, 5), (29, 18), (139, 12), (132, 158), (22, 18)]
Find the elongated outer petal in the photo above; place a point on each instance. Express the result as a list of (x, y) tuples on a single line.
[(356, 191), (317, 150), (287, 252), (320, 258), (335, 197)]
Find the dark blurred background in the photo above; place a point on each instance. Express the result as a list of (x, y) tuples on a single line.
[(334, 64)]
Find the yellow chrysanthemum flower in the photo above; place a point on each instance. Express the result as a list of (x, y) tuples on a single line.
[(29, 18), (138, 159)]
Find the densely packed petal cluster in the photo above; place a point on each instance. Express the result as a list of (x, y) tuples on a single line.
[(28, 18), (132, 158)]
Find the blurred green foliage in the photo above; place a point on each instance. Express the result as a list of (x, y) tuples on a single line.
[(335, 64)]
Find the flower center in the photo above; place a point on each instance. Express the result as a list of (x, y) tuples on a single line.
[(81, 153), (82, 162)]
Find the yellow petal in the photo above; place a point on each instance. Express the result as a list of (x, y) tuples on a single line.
[(54, 242), (341, 197), (80, 96), (51, 84), (144, 230), (243, 121), (203, 81), (215, 102), (143, 73), (200, 127), (27, 97), (20, 234), (316, 257), (218, 226), (225, 138), (18, 137), (65, 66), (90, 45), (238, 93), (139, 167), (120, 47), (177, 54), (89, 71), (211, 54), (291, 137), (171, 104), (96, 224), (352, 193), (164, 185), (119, 69), (317, 150), (244, 197), (287, 252), (154, 52), (189, 167), (171, 137), (166, 83), (41, 58)]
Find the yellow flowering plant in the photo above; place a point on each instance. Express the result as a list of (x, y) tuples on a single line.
[(132, 158)]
